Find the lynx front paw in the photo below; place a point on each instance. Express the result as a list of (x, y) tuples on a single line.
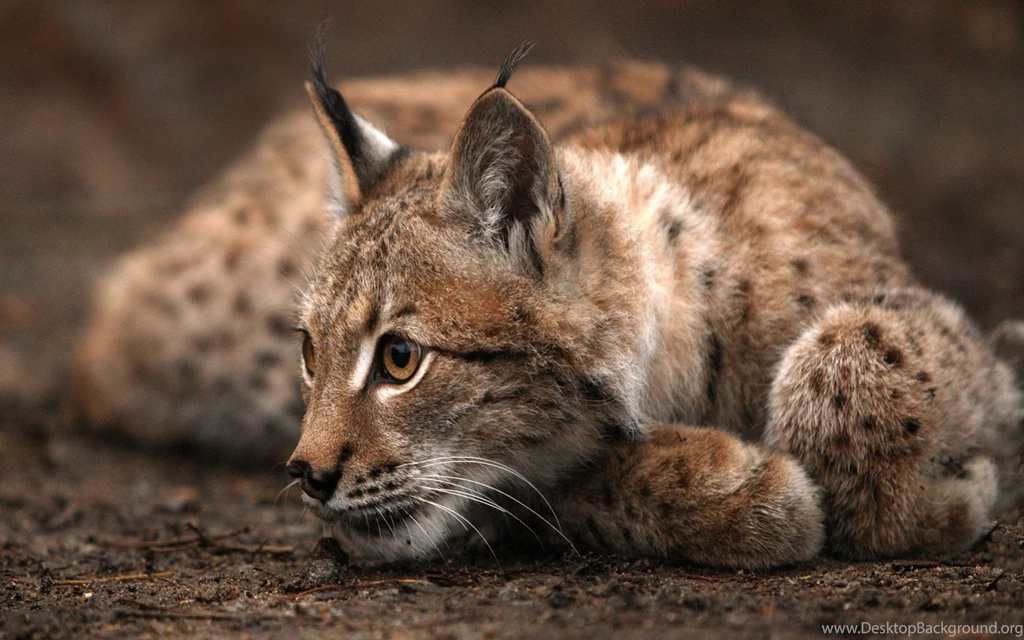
[(699, 495)]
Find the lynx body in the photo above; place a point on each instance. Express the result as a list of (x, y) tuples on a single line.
[(684, 330)]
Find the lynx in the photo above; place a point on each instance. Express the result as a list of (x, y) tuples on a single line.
[(682, 330)]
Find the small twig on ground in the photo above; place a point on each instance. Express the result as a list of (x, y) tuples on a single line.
[(361, 585), (269, 573), (154, 612), (325, 587), (201, 538), (172, 543), (124, 578), (253, 548), (203, 541)]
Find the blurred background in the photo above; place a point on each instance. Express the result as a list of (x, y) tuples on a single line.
[(112, 113)]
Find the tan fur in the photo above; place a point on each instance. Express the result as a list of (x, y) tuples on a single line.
[(584, 306)]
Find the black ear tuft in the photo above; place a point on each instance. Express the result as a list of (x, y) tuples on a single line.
[(511, 62), (333, 103)]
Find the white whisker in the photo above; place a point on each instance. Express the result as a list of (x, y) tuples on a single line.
[(465, 522), (489, 463), (286, 488), (456, 480), (479, 498), (428, 537)]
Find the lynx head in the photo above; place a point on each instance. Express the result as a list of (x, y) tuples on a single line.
[(446, 344)]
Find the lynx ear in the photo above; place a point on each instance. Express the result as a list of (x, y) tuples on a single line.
[(359, 152), (501, 176)]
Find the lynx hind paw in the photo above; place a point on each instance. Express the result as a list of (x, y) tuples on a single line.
[(899, 412)]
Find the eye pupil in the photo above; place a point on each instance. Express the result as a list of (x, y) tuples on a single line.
[(401, 353)]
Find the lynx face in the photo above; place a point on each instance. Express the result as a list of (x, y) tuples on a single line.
[(442, 345)]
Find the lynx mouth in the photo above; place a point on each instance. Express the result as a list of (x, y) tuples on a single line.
[(379, 519)]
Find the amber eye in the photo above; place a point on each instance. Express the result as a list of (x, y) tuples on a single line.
[(308, 354), (399, 358)]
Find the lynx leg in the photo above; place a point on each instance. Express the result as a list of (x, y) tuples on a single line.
[(902, 415), (699, 495)]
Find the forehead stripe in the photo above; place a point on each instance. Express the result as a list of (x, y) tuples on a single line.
[(361, 371)]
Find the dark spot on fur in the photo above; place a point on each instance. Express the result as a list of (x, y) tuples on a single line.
[(257, 382), (272, 426), (279, 325), (839, 400), (805, 301), (232, 257), (346, 453), (672, 230), (842, 439), (667, 509), (682, 476), (817, 380), (714, 368), (708, 273), (202, 343), (243, 305), (187, 374), (895, 394), (372, 490), (911, 425), (743, 293), (801, 266), (869, 424), (267, 359), (873, 335), (521, 315), (360, 480), (930, 393), (160, 303), (952, 468), (242, 216), (827, 339), (893, 357), (355, 493), (296, 407), (287, 268), (880, 299), (223, 340)]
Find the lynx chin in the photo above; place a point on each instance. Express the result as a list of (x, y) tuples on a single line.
[(678, 325)]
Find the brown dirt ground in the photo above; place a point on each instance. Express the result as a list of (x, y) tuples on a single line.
[(103, 541)]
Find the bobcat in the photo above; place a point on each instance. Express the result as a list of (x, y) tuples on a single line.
[(683, 332)]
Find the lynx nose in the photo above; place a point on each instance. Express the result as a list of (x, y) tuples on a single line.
[(315, 484)]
